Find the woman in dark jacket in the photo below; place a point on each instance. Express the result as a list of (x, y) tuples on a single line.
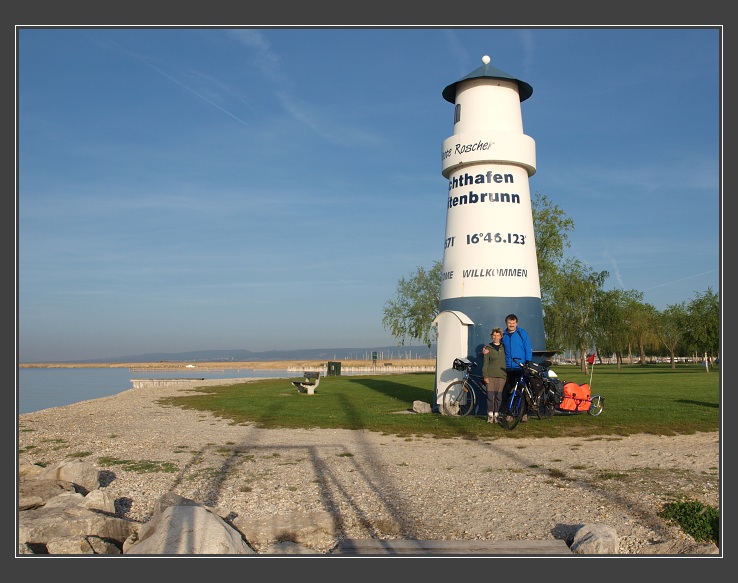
[(494, 372)]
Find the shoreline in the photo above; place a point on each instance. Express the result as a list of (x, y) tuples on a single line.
[(266, 364)]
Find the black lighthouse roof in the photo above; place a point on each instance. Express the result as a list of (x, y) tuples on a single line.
[(487, 70)]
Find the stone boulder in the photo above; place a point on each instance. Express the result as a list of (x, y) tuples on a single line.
[(83, 474), (82, 545), (421, 407), (68, 515), (595, 539), (34, 493), (28, 470), (187, 530)]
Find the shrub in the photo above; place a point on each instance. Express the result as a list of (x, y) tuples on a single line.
[(699, 521)]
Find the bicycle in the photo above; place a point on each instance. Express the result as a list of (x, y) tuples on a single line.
[(524, 397), (459, 399)]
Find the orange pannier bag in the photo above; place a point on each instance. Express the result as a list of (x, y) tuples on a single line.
[(576, 397)]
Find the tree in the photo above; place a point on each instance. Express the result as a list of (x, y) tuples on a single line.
[(703, 330), (642, 322), (671, 325), (569, 318), (551, 226), (610, 326), (416, 304)]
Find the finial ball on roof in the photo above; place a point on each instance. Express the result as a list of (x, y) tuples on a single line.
[(485, 60)]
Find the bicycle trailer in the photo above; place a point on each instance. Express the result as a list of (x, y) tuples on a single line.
[(576, 397)]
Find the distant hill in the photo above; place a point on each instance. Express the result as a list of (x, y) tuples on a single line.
[(240, 355)]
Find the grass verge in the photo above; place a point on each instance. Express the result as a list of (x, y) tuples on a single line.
[(638, 399)]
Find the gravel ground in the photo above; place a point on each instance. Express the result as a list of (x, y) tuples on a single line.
[(384, 486)]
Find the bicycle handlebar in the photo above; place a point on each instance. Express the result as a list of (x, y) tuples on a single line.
[(539, 370)]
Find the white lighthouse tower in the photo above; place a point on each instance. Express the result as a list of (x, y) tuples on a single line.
[(490, 267)]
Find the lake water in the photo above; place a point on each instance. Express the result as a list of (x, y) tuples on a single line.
[(43, 388)]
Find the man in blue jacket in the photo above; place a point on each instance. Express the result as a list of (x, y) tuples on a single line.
[(517, 345)]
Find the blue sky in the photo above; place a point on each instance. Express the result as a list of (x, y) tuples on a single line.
[(216, 188)]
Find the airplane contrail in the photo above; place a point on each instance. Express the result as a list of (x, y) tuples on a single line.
[(683, 279), (182, 85)]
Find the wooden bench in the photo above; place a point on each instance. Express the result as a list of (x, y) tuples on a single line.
[(311, 382), (451, 547)]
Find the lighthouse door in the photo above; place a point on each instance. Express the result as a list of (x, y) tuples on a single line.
[(453, 342)]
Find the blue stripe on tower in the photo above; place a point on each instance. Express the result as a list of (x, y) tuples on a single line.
[(488, 313)]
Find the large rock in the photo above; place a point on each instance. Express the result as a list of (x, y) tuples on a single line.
[(595, 539), (28, 470), (82, 545), (100, 500), (187, 530), (67, 516), (85, 475), (36, 492), (56, 517), (421, 407)]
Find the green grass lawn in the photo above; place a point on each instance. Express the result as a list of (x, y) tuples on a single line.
[(638, 399)]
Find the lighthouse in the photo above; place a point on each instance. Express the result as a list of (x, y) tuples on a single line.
[(490, 267)]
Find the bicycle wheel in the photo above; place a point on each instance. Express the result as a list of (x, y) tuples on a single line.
[(597, 404), (458, 399), (546, 406), (511, 411)]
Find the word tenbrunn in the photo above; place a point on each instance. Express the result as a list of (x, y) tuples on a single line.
[(473, 198)]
